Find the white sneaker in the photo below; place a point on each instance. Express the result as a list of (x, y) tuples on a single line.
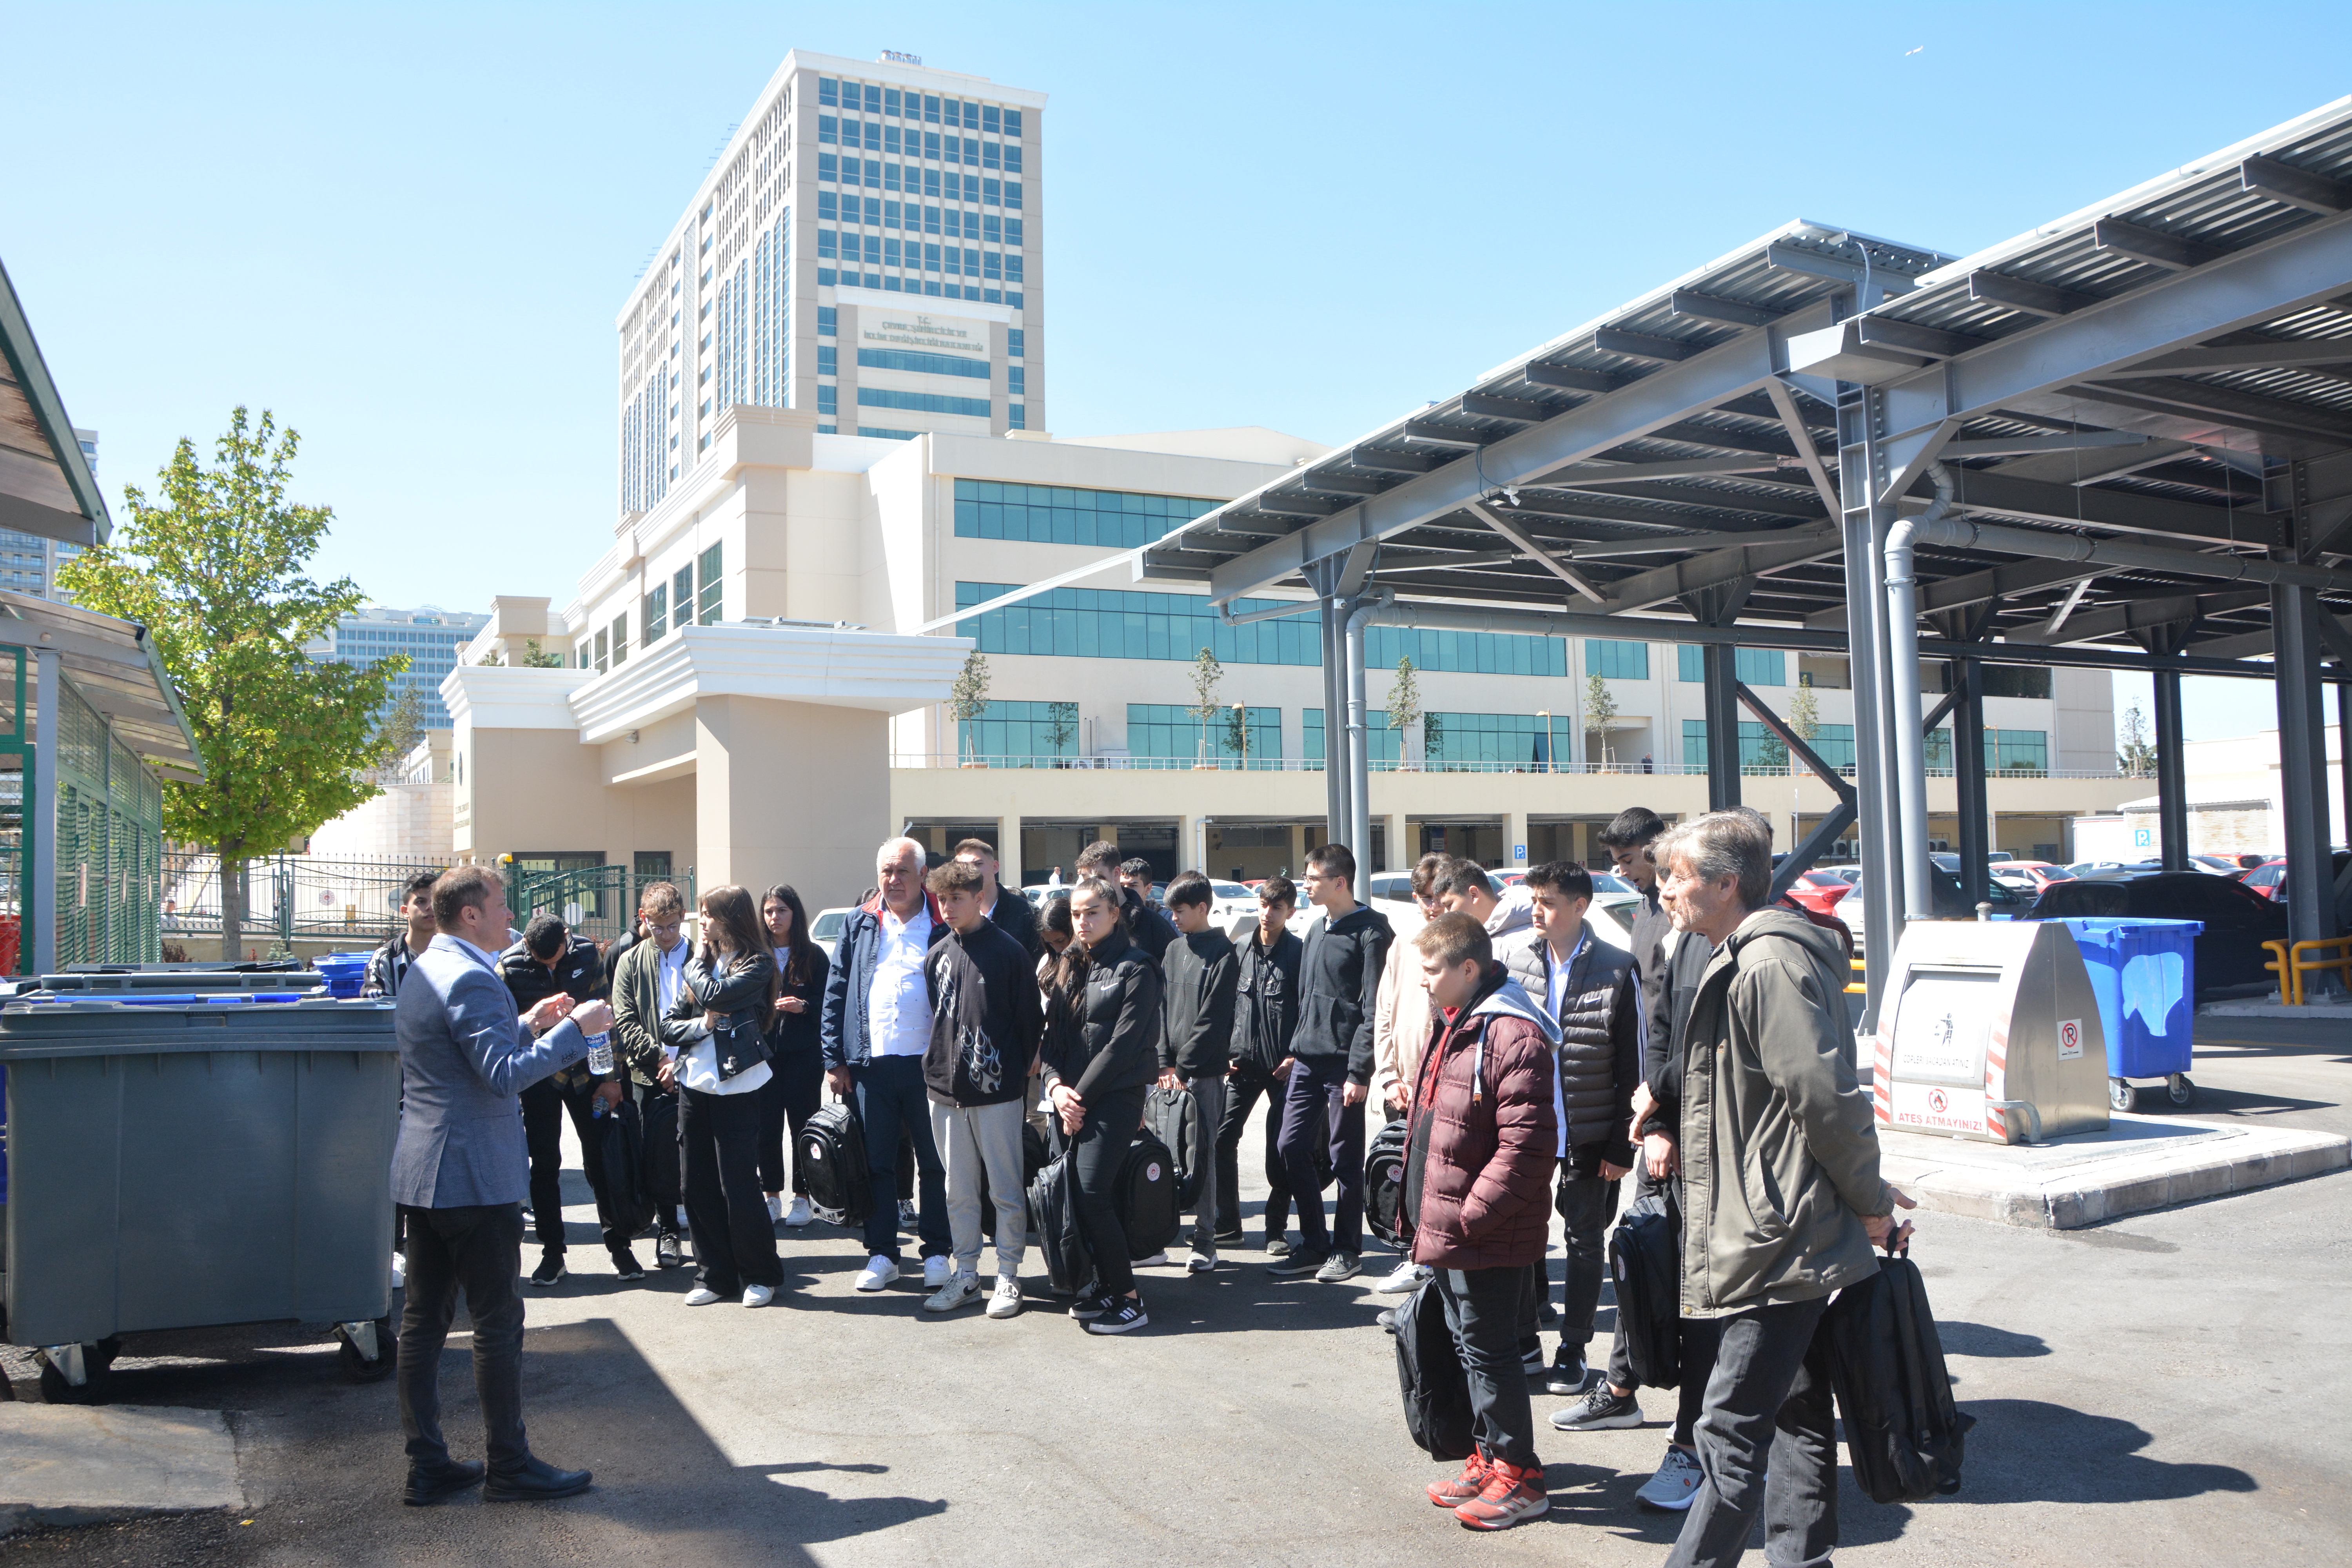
[(1007, 1301), (1157, 1260), (878, 1274), (1201, 1262), (960, 1290), (798, 1215), (1676, 1484), (1403, 1279), (399, 1270), (701, 1297), (937, 1271), (776, 1208), (758, 1294)]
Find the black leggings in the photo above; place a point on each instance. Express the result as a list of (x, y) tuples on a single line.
[(1095, 1156), (794, 1087)]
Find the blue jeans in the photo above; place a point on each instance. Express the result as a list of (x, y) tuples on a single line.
[(892, 1104)]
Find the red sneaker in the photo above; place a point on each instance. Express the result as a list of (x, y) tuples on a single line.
[(1462, 1488), (1513, 1493)]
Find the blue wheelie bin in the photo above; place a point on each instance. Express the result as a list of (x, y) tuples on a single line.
[(2144, 973)]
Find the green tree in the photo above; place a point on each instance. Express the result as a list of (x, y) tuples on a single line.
[(1237, 732), (536, 657), (1061, 725), (2136, 753), (967, 698), (1206, 673), (215, 571), (1404, 705), (1600, 710), (402, 727)]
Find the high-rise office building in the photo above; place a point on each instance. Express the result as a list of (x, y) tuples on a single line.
[(432, 638), (30, 562), (866, 246)]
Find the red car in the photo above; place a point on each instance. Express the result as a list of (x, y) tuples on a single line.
[(1818, 892), (2269, 879)]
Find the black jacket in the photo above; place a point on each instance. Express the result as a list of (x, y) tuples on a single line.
[(1018, 919), (794, 1035), (1200, 972), (1107, 1036), (1266, 1002), (1338, 990), (1149, 927), (983, 1038), (1663, 1053), (739, 992), (387, 967), (579, 973), (1646, 941)]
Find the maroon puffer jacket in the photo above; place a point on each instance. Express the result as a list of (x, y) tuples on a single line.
[(1486, 1180)]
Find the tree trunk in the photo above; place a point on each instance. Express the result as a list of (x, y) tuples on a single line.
[(232, 901)]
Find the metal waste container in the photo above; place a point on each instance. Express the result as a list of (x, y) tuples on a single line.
[(1988, 1031), (2144, 973), (186, 1161)]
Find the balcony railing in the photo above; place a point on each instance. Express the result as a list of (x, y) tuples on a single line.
[(1433, 765)]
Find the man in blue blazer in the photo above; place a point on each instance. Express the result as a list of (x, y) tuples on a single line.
[(459, 1174)]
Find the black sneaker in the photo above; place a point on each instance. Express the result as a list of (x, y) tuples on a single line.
[(625, 1265), (665, 1251), (1086, 1308), (549, 1270), (1228, 1238), (1568, 1374), (1298, 1265), (1598, 1411), (1120, 1314)]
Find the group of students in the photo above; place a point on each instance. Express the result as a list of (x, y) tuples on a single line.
[(1534, 1065)]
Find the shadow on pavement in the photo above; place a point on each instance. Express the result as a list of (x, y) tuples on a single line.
[(1983, 1340), (2027, 1450)]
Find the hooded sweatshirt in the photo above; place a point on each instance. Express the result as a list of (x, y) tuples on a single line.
[(1485, 1134), (1339, 990), (1198, 973), (986, 1015)]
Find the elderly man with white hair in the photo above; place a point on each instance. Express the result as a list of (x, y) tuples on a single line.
[(877, 1024)]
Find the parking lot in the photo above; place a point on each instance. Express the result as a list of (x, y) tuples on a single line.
[(2164, 1389)]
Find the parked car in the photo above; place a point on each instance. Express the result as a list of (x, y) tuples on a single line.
[(2266, 878), (2218, 865), (1820, 890), (2030, 876), (1951, 904), (825, 930), (2237, 920)]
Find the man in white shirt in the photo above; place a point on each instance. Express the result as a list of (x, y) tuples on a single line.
[(876, 1026)]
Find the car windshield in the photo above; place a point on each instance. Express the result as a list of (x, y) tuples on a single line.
[(828, 925), (1231, 891), (1609, 882)]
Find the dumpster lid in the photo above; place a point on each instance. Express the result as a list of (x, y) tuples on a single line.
[(74, 1025)]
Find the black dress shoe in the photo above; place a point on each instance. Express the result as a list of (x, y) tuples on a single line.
[(537, 1481), (425, 1487)]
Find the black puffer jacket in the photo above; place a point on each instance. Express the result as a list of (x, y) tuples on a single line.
[(738, 990), (1266, 1002), (579, 972), (1107, 1037), (1600, 1046)]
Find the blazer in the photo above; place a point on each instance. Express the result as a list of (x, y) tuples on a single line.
[(465, 1055)]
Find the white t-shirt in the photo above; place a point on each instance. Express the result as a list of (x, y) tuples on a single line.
[(669, 975), (897, 1004)]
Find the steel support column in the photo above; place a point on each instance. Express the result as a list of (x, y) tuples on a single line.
[(1863, 527), (41, 816), (2343, 753), (2302, 740), (1330, 619), (1722, 702), (2172, 774), (1975, 840)]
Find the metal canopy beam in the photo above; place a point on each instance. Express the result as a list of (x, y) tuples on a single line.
[(2272, 356), (2088, 506), (1542, 557)]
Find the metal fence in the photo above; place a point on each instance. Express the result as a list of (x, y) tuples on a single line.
[(354, 900), (1618, 769)]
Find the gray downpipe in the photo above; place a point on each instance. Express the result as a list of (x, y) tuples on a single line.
[(1360, 754), (1903, 667)]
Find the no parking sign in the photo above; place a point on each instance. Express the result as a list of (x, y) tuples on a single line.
[(2070, 1040)]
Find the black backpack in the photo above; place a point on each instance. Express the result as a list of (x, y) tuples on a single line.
[(830, 1155), (663, 1182), (1429, 1372), (622, 1165), (1147, 1194), (1033, 1160), (1175, 1117), (1054, 1226), (1645, 1260), (1903, 1436), (1384, 1182)]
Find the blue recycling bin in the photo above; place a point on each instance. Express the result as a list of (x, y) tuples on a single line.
[(2144, 973)]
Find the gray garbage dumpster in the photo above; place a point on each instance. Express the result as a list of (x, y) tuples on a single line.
[(181, 1162)]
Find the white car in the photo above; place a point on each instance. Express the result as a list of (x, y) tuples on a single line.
[(825, 930)]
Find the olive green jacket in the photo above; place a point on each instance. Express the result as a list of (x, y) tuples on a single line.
[(1780, 1150), (637, 1010)]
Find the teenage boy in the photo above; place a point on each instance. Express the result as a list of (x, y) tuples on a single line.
[(1478, 1166), (1199, 975), (550, 960), (986, 1015), (1585, 984), (645, 988), (1338, 992), (1147, 927), (1463, 884), (1398, 1032), (387, 967), (1008, 908), (1266, 1012)]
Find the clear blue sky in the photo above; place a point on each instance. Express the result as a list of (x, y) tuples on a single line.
[(408, 229)]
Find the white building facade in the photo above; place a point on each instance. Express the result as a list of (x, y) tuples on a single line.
[(866, 250)]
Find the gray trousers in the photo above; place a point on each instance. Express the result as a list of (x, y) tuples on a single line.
[(981, 1146), (1209, 1114), (1767, 1444)]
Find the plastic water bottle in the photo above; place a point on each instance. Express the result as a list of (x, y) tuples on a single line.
[(600, 1054)]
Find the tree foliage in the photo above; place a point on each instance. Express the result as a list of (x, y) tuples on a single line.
[(402, 727), (1206, 674), (967, 698), (1404, 704), (537, 657), (1599, 712), (2134, 752), (215, 568)]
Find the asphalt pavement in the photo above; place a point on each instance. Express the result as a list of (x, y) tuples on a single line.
[(2160, 1389)]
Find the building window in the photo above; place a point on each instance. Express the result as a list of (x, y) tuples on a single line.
[(828, 400), (1016, 380), (828, 90), (601, 653), (827, 320), (1494, 742), (1616, 660), (1016, 417), (1759, 747), (1053, 514), (707, 600), (923, 402), (1168, 735), (620, 639), (1018, 734), (927, 363), (1118, 622), (881, 433), (828, 359), (1016, 340), (1750, 665), (1382, 743), (681, 594), (2018, 753), (656, 614)]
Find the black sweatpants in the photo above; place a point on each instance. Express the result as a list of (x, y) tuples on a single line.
[(734, 1240), (1317, 1091), (1095, 1156), (477, 1250), (1242, 1090), (1767, 1444), (1587, 1204), (794, 1088)]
